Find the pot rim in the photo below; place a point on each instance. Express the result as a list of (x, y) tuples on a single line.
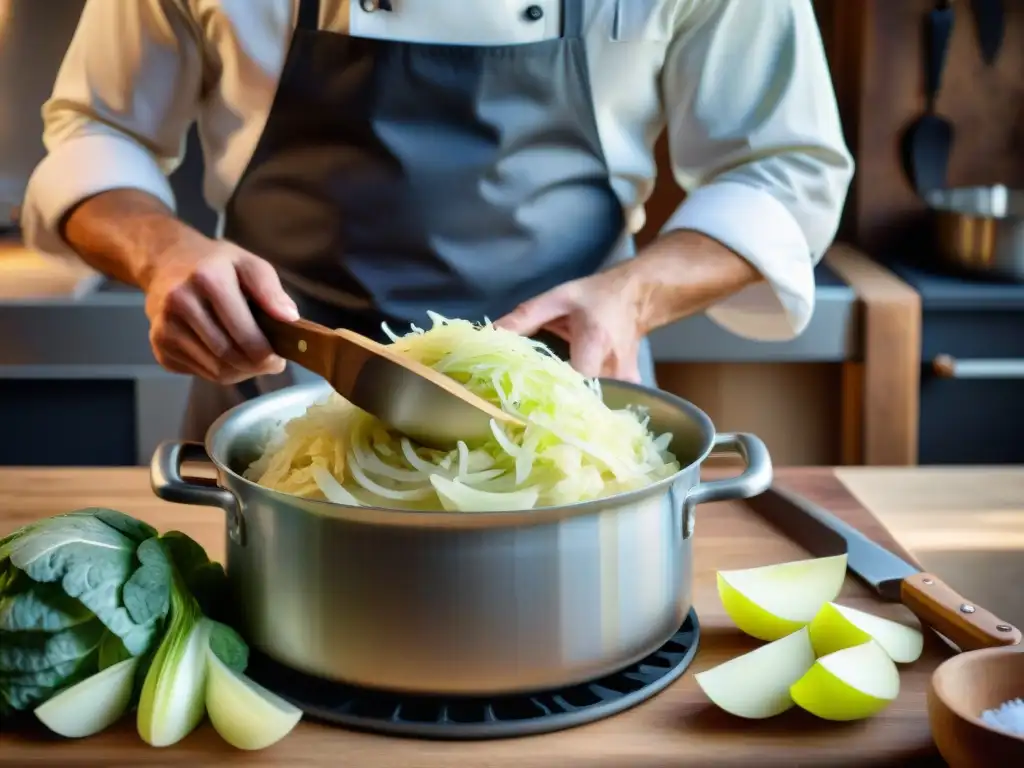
[(399, 516)]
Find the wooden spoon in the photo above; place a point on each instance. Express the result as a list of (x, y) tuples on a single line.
[(408, 396)]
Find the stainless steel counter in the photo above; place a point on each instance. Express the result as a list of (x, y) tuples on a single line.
[(101, 336)]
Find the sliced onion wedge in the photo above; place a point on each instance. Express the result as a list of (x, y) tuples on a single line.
[(244, 713), (92, 705), (456, 497), (332, 489)]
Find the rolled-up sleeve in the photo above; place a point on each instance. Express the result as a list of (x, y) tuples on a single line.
[(756, 142), (125, 95)]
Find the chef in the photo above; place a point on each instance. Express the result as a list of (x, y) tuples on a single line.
[(375, 159)]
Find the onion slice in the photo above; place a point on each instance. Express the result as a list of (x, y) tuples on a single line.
[(92, 705), (244, 713), (332, 490), (171, 704), (413, 494), (456, 497)]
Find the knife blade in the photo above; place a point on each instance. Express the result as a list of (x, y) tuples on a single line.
[(989, 18), (935, 603)]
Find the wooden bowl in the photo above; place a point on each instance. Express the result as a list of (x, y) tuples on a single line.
[(962, 688)]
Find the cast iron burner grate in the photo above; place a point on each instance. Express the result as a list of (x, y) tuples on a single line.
[(483, 718)]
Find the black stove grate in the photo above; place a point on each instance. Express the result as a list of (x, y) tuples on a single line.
[(483, 718)]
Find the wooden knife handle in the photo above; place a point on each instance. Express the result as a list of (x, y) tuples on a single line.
[(941, 607)]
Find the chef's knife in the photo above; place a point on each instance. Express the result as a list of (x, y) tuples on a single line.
[(989, 18), (935, 603)]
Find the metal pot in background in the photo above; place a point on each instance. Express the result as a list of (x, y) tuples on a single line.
[(459, 603), (980, 229)]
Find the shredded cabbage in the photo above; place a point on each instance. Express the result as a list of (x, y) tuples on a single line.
[(573, 447)]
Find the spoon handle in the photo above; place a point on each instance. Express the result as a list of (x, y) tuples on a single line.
[(357, 367), (310, 345), (338, 356)]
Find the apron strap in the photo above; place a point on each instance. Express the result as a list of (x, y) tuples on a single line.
[(309, 15), (572, 18)]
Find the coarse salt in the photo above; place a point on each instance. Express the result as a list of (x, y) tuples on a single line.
[(1008, 717)]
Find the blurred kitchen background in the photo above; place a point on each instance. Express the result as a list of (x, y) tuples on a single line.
[(915, 354)]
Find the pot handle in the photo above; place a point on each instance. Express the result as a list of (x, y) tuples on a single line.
[(169, 484), (755, 479)]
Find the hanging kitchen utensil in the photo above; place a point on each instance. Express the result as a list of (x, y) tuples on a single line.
[(928, 142), (935, 603), (990, 23)]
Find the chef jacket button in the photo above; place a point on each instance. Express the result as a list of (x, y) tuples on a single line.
[(534, 13), (369, 5)]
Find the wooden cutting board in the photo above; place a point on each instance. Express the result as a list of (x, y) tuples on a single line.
[(676, 728)]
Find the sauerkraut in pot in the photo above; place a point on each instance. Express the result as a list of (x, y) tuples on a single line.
[(573, 448)]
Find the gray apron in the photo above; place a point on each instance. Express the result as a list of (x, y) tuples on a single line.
[(393, 178)]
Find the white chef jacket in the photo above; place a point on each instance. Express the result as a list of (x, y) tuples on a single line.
[(742, 86)]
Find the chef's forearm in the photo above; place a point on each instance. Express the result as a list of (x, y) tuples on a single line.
[(684, 272), (122, 232)]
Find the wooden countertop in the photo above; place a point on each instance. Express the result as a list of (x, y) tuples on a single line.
[(932, 512)]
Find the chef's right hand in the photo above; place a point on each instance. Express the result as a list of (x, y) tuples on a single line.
[(197, 297)]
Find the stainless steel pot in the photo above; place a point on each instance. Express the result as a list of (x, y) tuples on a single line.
[(981, 229), (449, 603)]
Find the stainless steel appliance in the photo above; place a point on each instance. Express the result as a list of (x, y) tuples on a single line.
[(972, 365), (459, 604)]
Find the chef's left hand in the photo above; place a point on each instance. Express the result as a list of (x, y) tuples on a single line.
[(601, 317), (605, 316)]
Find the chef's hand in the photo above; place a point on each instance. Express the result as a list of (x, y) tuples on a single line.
[(196, 288), (197, 303), (605, 316), (600, 316)]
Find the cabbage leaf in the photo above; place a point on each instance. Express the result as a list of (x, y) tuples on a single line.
[(91, 561)]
